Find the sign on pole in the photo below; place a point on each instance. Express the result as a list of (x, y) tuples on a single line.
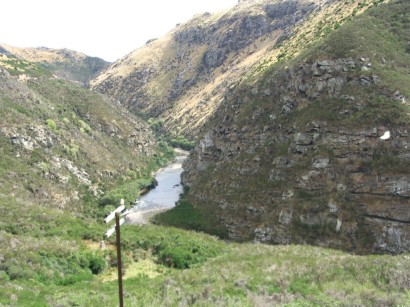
[(112, 229), (111, 216), (110, 232)]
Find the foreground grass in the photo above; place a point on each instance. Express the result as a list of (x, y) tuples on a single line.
[(229, 275)]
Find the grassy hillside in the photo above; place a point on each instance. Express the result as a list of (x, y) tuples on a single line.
[(379, 39), (68, 156), (224, 274)]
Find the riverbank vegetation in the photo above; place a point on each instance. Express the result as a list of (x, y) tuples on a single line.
[(172, 138), (131, 185)]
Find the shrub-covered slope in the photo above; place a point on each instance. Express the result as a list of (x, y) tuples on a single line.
[(315, 148), (232, 275), (67, 156)]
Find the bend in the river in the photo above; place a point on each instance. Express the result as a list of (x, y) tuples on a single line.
[(164, 196)]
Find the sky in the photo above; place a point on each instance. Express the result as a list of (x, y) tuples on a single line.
[(108, 29)]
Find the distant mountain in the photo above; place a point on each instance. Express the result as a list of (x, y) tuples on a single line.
[(64, 63), (183, 76)]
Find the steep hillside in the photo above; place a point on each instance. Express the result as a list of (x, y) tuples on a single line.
[(67, 157), (314, 148), (59, 141), (64, 63), (183, 76)]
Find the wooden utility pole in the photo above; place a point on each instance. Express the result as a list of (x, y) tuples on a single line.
[(119, 263), (118, 222)]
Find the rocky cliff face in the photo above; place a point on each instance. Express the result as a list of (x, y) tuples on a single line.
[(343, 186), (316, 151)]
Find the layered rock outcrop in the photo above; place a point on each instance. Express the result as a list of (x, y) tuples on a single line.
[(293, 159)]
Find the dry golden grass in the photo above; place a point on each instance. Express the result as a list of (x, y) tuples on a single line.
[(145, 56), (146, 267), (39, 55), (197, 103)]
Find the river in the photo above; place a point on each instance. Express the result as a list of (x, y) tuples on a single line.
[(163, 196)]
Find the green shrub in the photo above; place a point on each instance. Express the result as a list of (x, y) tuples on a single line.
[(51, 124), (4, 277), (172, 138), (183, 252), (157, 125), (71, 150), (50, 262), (84, 127), (173, 247), (96, 264), (182, 142), (128, 191)]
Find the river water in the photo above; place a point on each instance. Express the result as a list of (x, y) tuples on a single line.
[(163, 196)]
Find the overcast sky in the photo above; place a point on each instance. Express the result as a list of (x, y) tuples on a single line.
[(108, 29)]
